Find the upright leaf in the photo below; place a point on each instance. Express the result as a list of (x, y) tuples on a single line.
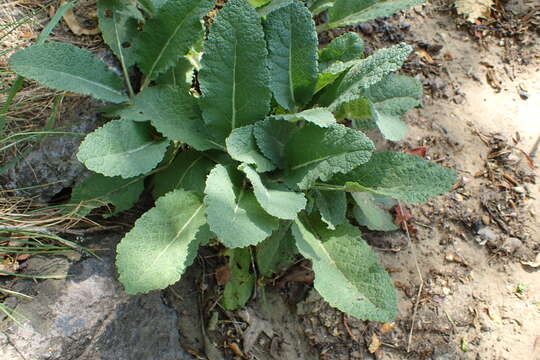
[(342, 260), (173, 112), (121, 148), (315, 153), (169, 34), (232, 210), (333, 207), (118, 21), (401, 176), (276, 199), (241, 146), (391, 98), (276, 252), (234, 76), (292, 47), (153, 254), (352, 12), (346, 47), (63, 66), (318, 116), (368, 72), (368, 212), (238, 290), (97, 190), (187, 171)]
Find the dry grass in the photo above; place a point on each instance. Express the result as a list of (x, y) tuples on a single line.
[(21, 21)]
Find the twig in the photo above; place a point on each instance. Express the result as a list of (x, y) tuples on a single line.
[(413, 251)]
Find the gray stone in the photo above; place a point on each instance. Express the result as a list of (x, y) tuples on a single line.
[(87, 316), (54, 161)]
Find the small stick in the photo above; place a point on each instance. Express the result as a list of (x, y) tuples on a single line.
[(419, 289), (535, 147)]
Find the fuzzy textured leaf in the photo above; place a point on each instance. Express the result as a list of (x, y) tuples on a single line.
[(63, 66), (187, 171), (368, 72), (169, 34), (392, 97), (234, 77), (315, 153), (352, 12), (276, 199), (241, 146), (118, 21), (318, 116), (238, 290), (173, 112), (121, 148), (333, 207), (401, 176), (369, 213), (233, 212), (276, 252), (97, 190), (344, 48), (153, 254), (272, 136), (292, 47), (342, 260)]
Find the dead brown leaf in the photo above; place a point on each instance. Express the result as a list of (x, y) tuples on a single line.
[(474, 9), (375, 344), (223, 274)]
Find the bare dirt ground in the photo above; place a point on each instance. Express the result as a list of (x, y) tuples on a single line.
[(465, 291)]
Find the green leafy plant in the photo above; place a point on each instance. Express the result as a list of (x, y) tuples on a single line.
[(263, 153)]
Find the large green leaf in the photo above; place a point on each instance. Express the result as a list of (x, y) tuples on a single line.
[(241, 146), (332, 205), (238, 290), (401, 176), (391, 98), (276, 199), (63, 66), (346, 47), (234, 76), (233, 212), (314, 153), (153, 254), (347, 271), (121, 148), (352, 12), (187, 171), (173, 112), (366, 73), (271, 136), (318, 116), (292, 47), (97, 190), (169, 34), (118, 21), (276, 252), (368, 212)]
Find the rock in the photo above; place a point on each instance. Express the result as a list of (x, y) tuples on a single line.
[(365, 28), (87, 316), (54, 161), (511, 245), (486, 234)]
